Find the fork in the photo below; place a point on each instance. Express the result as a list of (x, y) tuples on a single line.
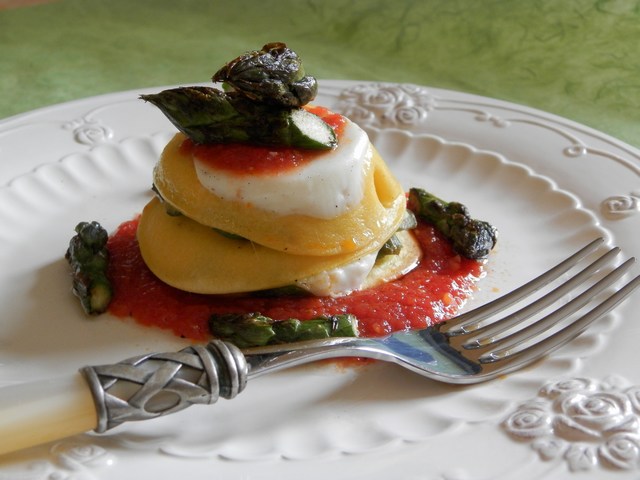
[(473, 347)]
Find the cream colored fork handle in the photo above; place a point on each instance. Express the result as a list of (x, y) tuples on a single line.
[(39, 412), (104, 396)]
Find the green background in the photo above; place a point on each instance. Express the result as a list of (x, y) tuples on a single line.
[(577, 59)]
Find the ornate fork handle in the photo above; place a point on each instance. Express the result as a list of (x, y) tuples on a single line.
[(158, 384)]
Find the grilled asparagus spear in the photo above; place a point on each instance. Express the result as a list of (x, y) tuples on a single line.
[(261, 103), (471, 238), (88, 257), (256, 330), (273, 75), (208, 115)]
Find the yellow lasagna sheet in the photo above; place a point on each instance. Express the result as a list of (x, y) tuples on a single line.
[(364, 228), (195, 258)]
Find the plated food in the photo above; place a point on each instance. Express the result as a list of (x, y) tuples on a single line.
[(266, 203), (271, 226)]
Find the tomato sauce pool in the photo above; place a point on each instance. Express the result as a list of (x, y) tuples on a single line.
[(432, 292)]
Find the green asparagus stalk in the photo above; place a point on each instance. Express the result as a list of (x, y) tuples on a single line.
[(273, 75), (88, 258), (261, 104), (256, 330), (207, 115), (471, 238)]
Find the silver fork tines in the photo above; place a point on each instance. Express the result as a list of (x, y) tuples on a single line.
[(495, 331), (571, 330), (497, 339), (472, 320)]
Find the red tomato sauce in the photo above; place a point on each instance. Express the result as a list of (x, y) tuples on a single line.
[(257, 159), (432, 292)]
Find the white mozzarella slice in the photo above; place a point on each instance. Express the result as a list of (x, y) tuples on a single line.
[(341, 280), (326, 187)]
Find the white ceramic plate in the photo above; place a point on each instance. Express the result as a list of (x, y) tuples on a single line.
[(550, 186)]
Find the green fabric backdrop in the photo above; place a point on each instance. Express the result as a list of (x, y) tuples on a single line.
[(577, 58)]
